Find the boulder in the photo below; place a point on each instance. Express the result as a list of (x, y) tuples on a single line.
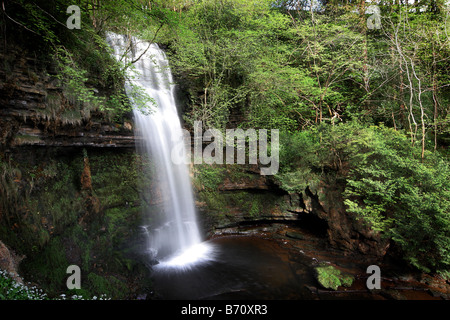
[(9, 261), (330, 277)]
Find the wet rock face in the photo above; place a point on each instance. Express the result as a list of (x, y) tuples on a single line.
[(9, 261), (319, 210), (34, 110), (347, 231), (344, 230)]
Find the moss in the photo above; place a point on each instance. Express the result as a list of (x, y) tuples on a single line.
[(49, 266), (9, 191), (221, 207), (56, 203), (238, 174), (116, 182), (50, 203), (332, 278), (26, 139), (208, 176), (255, 209), (110, 286), (45, 202)]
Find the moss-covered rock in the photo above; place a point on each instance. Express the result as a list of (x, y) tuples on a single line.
[(231, 194), (330, 277), (75, 206)]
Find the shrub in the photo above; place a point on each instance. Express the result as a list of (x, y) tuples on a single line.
[(387, 184), (402, 196), (10, 289)]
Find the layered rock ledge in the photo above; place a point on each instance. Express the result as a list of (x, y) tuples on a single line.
[(35, 110)]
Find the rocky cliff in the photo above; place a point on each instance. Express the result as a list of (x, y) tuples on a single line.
[(230, 196), (9, 261), (68, 182), (35, 111)]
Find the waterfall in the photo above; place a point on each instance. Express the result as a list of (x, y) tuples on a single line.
[(174, 237)]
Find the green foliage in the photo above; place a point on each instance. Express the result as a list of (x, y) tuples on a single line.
[(9, 191), (306, 73), (49, 267), (209, 176), (48, 225), (109, 286), (210, 183), (73, 78), (90, 77), (255, 58), (404, 197), (216, 47), (292, 69), (58, 203), (117, 180), (298, 180), (255, 209), (390, 187), (10, 289), (45, 202), (300, 160), (387, 184)]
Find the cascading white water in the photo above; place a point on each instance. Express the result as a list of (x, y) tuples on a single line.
[(175, 239)]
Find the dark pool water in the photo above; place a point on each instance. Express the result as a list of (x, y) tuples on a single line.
[(241, 267)]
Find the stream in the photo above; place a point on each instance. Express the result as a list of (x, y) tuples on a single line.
[(243, 267), (277, 263)]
